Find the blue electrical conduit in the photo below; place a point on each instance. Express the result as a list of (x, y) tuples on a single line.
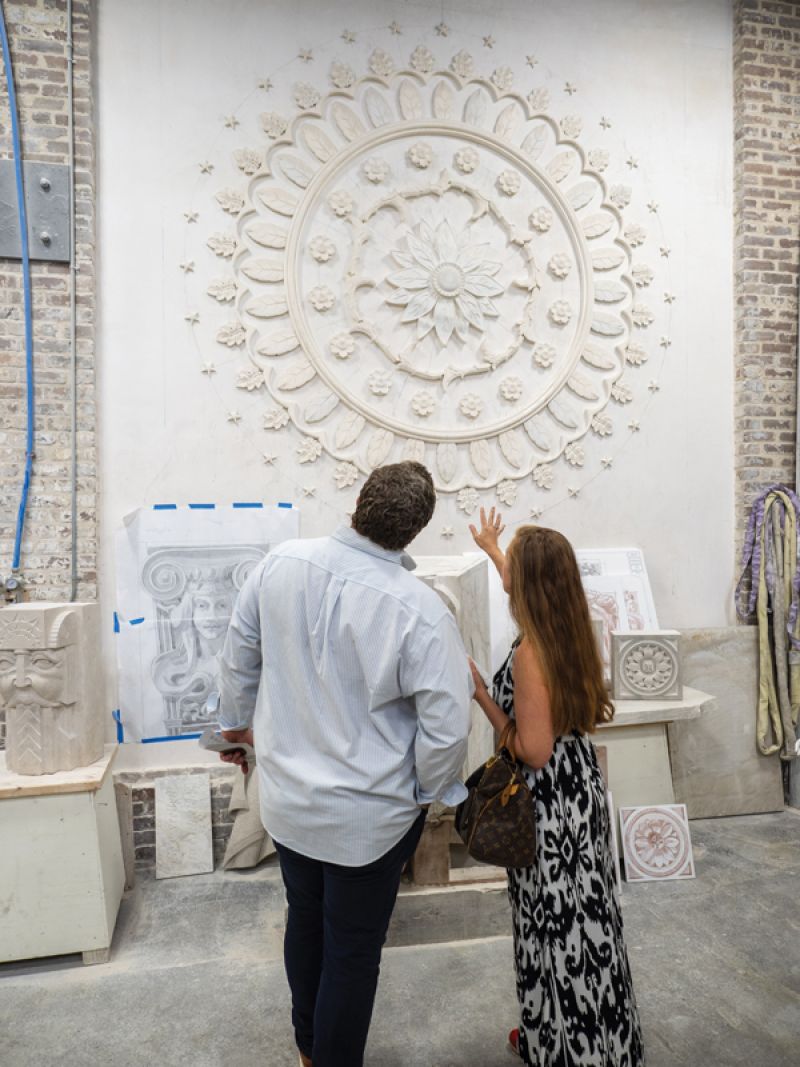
[(26, 282)]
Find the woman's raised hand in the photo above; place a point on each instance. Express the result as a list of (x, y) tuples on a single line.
[(488, 536)]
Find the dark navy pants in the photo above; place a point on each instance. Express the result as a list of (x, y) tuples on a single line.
[(338, 918)]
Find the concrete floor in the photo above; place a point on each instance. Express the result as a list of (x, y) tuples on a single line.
[(196, 977)]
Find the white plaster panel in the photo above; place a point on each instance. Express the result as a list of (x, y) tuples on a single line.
[(663, 81)]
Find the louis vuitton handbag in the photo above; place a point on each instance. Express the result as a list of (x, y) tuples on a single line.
[(497, 821)]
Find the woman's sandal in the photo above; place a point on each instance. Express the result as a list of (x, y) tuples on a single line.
[(513, 1041)]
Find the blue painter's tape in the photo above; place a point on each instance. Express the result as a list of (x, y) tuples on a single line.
[(247, 505), (179, 737), (116, 623), (165, 507), (202, 507), (281, 505), (115, 715), (136, 622)]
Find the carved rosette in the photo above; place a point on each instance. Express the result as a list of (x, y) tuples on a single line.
[(647, 666), (428, 267)]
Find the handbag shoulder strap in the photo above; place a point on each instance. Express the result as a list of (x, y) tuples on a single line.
[(507, 738)]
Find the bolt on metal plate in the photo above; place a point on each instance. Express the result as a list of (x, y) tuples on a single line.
[(47, 204)]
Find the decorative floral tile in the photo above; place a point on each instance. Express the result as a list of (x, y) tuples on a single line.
[(656, 843)]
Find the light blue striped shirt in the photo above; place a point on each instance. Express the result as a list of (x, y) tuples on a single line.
[(354, 677)]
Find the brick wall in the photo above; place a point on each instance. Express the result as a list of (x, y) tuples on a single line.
[(767, 244), (38, 35)]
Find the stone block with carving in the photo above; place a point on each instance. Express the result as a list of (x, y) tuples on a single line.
[(51, 686), (646, 665)]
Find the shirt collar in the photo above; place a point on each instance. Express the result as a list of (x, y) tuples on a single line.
[(350, 537)]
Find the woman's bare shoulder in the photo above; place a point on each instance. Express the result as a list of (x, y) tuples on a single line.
[(526, 663)]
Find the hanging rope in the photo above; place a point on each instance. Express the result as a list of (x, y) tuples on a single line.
[(770, 586)]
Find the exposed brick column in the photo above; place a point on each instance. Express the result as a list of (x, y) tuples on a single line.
[(38, 36), (766, 70)]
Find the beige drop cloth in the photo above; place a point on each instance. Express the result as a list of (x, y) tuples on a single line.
[(249, 842)]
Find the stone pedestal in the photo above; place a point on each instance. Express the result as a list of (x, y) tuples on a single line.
[(462, 583), (61, 875), (51, 686)]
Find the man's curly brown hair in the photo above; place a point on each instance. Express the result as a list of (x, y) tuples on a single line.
[(396, 502)]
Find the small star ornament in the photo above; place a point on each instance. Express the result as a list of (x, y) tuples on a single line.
[(206, 167), (535, 513), (188, 266), (654, 386), (605, 123), (309, 490), (231, 122), (269, 459), (395, 28), (665, 343), (573, 492), (448, 532), (669, 298), (652, 207), (265, 84), (208, 369), (570, 89), (192, 318), (442, 29), (191, 216), (305, 55), (234, 417), (606, 462), (488, 42), (348, 37), (665, 251), (634, 426), (531, 61), (632, 162)]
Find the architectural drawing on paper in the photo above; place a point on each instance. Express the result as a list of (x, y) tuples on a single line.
[(193, 589), (50, 686), (656, 843)]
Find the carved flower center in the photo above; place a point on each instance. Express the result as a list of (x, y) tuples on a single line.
[(448, 279)]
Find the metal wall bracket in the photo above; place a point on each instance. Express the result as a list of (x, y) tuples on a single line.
[(47, 203)]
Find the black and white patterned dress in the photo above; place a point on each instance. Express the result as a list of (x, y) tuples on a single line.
[(577, 1006)]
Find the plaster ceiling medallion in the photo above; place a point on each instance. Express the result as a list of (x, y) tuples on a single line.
[(428, 265)]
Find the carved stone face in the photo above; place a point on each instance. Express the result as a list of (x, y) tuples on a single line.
[(40, 676), (211, 612)]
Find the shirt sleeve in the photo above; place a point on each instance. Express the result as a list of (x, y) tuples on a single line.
[(240, 662), (435, 674)]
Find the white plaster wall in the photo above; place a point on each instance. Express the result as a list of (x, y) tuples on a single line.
[(169, 72)]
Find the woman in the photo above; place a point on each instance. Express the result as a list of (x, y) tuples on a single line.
[(573, 980)]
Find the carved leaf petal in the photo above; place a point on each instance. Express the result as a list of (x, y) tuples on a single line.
[(580, 195), (267, 307), (507, 121), (279, 344), (348, 122), (475, 109), (537, 431), (607, 258), (264, 270), (279, 200), (511, 447), (534, 143), (264, 233), (380, 445), (296, 377), (481, 457), (320, 408), (596, 357), (563, 413), (447, 461), (414, 450), (349, 429), (379, 112), (296, 171), (443, 101), (583, 387), (560, 165), (597, 225), (607, 325), (609, 292), (410, 100), (318, 143)]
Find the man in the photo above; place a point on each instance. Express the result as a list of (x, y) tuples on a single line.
[(356, 683)]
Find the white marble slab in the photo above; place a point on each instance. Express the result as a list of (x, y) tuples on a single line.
[(183, 825), (642, 712)]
